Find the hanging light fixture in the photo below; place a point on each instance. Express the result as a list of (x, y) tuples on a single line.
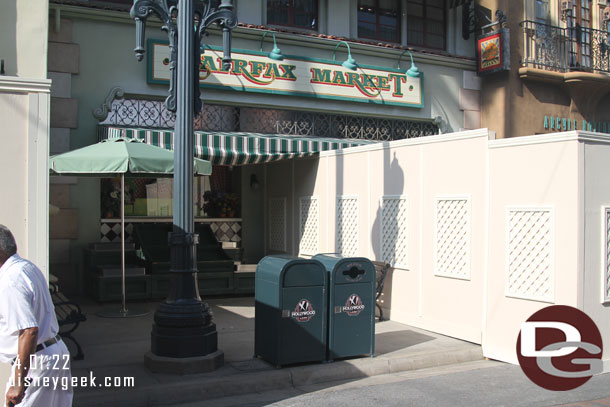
[(413, 71), (275, 53), (349, 63), (254, 184)]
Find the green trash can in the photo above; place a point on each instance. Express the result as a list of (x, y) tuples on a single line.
[(351, 306), (290, 310)]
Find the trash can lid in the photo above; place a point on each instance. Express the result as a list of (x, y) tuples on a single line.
[(347, 270), (290, 271)]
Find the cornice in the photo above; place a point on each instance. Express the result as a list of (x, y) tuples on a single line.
[(574, 135), (254, 34), (24, 85), (543, 75)]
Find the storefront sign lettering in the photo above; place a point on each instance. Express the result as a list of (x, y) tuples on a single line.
[(556, 123), (294, 76)]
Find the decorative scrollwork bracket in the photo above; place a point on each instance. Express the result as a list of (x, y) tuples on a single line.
[(205, 15), (101, 112)]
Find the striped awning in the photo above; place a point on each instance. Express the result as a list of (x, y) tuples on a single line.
[(237, 148)]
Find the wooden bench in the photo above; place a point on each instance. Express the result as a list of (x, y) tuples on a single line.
[(69, 315)]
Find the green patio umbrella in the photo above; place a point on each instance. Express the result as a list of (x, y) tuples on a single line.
[(121, 156), (115, 156)]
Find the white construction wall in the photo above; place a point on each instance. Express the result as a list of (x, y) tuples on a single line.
[(482, 233), (595, 236), (534, 234), (24, 139)]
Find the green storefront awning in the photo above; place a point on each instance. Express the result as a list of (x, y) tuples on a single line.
[(237, 148)]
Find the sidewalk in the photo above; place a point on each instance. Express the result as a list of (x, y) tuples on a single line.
[(115, 347)]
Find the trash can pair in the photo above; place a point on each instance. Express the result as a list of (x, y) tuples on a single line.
[(317, 309)]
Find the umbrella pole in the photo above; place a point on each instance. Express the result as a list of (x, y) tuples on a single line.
[(123, 305), (124, 312)]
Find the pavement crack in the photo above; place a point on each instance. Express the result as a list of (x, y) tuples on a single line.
[(291, 374)]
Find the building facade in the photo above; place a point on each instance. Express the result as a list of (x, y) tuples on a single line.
[(396, 200), (94, 41), (559, 68)]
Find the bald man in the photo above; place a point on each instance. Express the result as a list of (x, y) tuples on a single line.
[(29, 334)]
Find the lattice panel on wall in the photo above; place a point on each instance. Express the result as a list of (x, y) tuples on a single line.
[(309, 214), (530, 237), (452, 238), (347, 226), (394, 230), (277, 224), (607, 255)]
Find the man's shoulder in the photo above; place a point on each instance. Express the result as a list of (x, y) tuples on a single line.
[(19, 263), (19, 271)]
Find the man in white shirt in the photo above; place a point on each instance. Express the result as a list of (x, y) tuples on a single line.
[(29, 339)]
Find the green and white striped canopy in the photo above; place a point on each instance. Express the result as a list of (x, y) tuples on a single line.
[(237, 148)]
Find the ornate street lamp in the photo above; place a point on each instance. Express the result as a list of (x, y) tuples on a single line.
[(183, 326)]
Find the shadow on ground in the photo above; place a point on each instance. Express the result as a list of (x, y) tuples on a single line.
[(115, 348)]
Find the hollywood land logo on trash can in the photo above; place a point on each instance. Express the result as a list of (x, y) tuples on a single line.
[(353, 306), (559, 348), (303, 312)]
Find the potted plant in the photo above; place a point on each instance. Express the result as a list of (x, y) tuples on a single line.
[(220, 204)]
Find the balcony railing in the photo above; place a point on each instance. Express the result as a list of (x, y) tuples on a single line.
[(565, 49)]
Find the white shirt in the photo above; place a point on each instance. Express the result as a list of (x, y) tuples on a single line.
[(25, 302)]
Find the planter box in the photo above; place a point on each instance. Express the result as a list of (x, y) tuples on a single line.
[(115, 271), (215, 283), (209, 283), (109, 288), (243, 279)]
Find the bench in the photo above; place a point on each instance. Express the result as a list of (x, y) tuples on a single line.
[(382, 270), (69, 315)]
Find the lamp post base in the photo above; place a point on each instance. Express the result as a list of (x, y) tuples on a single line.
[(184, 330), (183, 366), (184, 340)]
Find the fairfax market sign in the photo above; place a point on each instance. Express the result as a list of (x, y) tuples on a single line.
[(294, 76)]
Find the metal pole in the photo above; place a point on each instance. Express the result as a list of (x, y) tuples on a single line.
[(123, 305), (183, 248), (123, 312), (183, 325)]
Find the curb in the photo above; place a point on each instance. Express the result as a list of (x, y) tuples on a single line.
[(205, 388)]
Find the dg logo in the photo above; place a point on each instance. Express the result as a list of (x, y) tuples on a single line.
[(559, 348)]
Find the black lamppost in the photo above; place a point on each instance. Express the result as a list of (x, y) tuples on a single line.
[(183, 326)]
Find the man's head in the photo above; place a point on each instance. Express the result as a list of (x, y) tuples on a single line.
[(8, 247)]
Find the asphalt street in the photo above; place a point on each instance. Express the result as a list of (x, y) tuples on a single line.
[(483, 383)]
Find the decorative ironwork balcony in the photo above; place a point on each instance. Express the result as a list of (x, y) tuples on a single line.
[(566, 49), (154, 114)]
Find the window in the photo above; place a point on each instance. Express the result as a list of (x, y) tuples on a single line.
[(379, 20), (604, 16), (579, 31), (426, 23), (293, 13), (542, 11)]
